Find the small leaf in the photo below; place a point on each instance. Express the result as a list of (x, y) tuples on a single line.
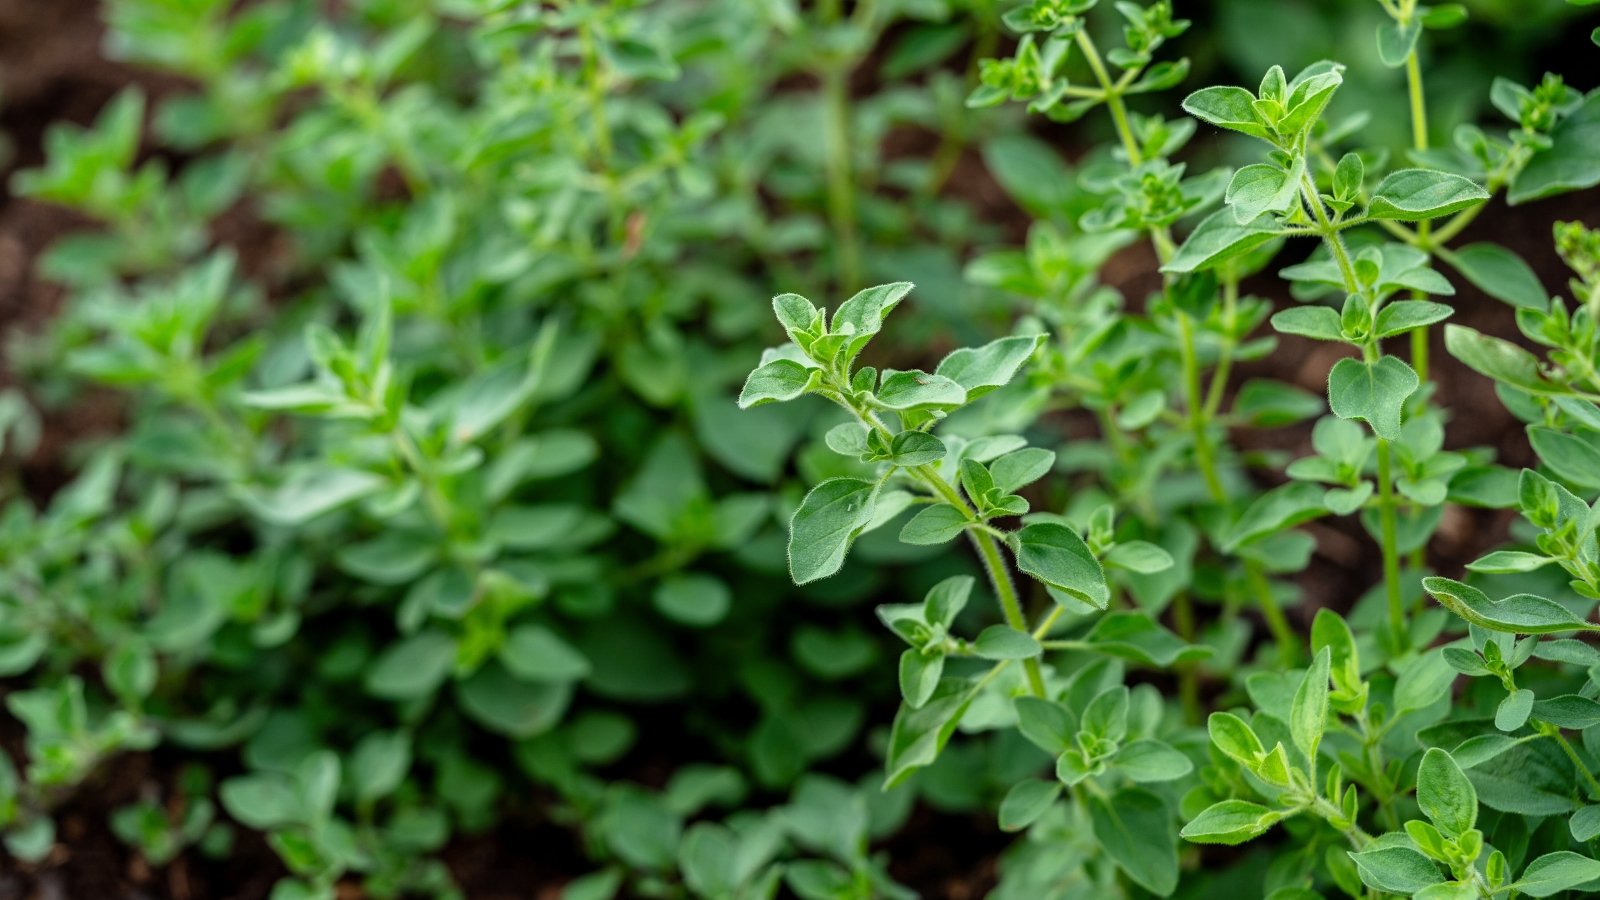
[(1513, 711), (1501, 274), (1309, 714), (1517, 614), (916, 448), (1374, 392), (1401, 870), (1445, 795), (983, 369), (828, 520), (1142, 557), (1553, 873), (1230, 822), (1026, 802), (919, 390), (1260, 188), (1151, 760), (1021, 468), (937, 524), (1227, 107), (1004, 642), (1317, 322), (1574, 459), (1397, 41), (1055, 555), (1585, 824), (778, 381), (1133, 827), (1498, 359), (861, 317), (1220, 238), (1046, 723), (1404, 315), (1412, 195), (1508, 562)]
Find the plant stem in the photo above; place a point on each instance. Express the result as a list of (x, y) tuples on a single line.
[(841, 190), (1119, 112), (1391, 555), (1572, 754)]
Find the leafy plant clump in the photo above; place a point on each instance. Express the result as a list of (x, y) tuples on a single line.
[(1347, 751), (426, 508)]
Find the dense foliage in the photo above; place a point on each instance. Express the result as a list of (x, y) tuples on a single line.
[(434, 506)]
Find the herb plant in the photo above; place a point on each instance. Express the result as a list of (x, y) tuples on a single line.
[(427, 511)]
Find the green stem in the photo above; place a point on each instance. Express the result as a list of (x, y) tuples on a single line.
[(841, 190), (1391, 556), (1277, 622), (1188, 672), (1119, 112), (1572, 754)]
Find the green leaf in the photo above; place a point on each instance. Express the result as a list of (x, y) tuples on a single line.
[(1445, 795), (916, 448), (828, 519), (1585, 824), (1403, 315), (1142, 557), (1282, 507), (1227, 107), (1553, 873), (1219, 238), (778, 381), (1498, 359), (1230, 822), (1574, 459), (1569, 163), (919, 390), (1412, 195), (861, 317), (1004, 642), (1308, 716), (936, 524), (1397, 41), (1055, 555), (1046, 723), (1568, 711), (1423, 681), (693, 599), (919, 676), (1513, 711), (919, 734), (1501, 274), (1235, 738), (535, 653), (1374, 392), (980, 370), (796, 314), (1020, 468), (510, 706), (413, 667), (1517, 614), (1149, 760), (1508, 562), (379, 764), (310, 492), (1401, 870), (1135, 636), (1134, 828), (1317, 322), (1260, 188), (1026, 802)]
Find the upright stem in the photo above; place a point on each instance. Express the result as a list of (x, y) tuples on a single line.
[(1386, 515), (1391, 555), (841, 189), (1419, 141), (994, 565)]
